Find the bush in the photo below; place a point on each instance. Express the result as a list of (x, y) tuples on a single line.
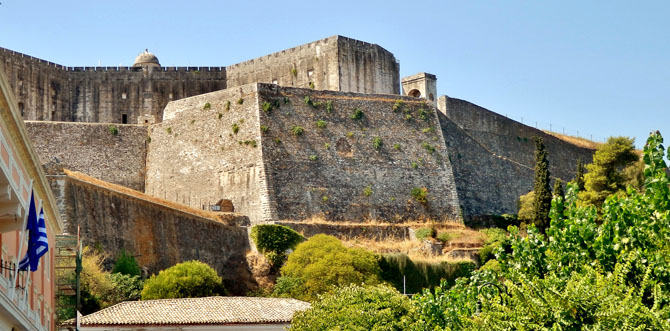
[(526, 212), (227, 105), (313, 157), (357, 114), (126, 264), (207, 106), (356, 307), (423, 233), (113, 130), (420, 194), (377, 143), (321, 124), (240, 101), (428, 147), (274, 240), (297, 130), (267, 107), (322, 261), (398, 105), (126, 287), (329, 106), (191, 279), (367, 191), (443, 237), (235, 127)]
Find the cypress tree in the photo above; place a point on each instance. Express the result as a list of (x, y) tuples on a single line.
[(542, 201), (559, 193), (579, 177)]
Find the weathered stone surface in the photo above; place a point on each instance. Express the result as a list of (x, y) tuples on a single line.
[(160, 233), (93, 149), (323, 172), (493, 157)]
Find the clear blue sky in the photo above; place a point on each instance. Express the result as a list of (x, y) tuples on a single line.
[(599, 68)]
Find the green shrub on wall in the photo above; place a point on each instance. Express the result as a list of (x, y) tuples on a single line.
[(357, 114), (297, 130), (191, 279), (113, 130), (126, 264), (423, 233)]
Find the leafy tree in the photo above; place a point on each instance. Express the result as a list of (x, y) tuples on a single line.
[(634, 175), (526, 206), (126, 264), (559, 193), (542, 198), (191, 279), (126, 287), (322, 261), (274, 240), (592, 270), (605, 175), (355, 307)]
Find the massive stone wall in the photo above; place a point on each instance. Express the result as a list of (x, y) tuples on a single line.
[(159, 233), (48, 91), (333, 172), (93, 149), (367, 68), (196, 158), (493, 157), (336, 173), (316, 63)]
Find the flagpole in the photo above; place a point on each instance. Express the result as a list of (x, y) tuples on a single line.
[(21, 240), (25, 293)]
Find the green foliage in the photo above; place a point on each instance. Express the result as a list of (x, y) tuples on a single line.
[(423, 233), (313, 157), (329, 106), (321, 262), (357, 307), (113, 130), (264, 128), (350, 134), (423, 114), (415, 165), (267, 107), (276, 239), (326, 146), (191, 279), (294, 72), (396, 147), (126, 264), (420, 194), (307, 100), (277, 141), (321, 124), (240, 101), (542, 195), (408, 117), (220, 115), (377, 143), (207, 106), (559, 193), (443, 237), (235, 127), (526, 206), (311, 85), (398, 105), (419, 274), (605, 175), (297, 130), (126, 287), (367, 191), (357, 114), (495, 239), (579, 176), (428, 147), (634, 175), (427, 130), (227, 105)]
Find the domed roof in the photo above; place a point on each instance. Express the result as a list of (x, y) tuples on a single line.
[(146, 59)]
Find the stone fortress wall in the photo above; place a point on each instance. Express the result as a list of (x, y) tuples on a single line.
[(51, 92), (270, 173), (493, 157)]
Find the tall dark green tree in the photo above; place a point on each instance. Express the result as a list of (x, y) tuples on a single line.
[(579, 177), (542, 199), (559, 192)]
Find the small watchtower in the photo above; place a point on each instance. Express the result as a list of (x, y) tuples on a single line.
[(421, 85)]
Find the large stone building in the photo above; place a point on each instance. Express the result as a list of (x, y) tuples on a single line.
[(320, 130)]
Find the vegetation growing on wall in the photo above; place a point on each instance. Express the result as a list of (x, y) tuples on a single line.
[(191, 279), (274, 241)]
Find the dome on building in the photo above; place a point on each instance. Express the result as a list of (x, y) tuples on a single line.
[(146, 59)]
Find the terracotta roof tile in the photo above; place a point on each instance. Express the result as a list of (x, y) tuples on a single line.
[(198, 311)]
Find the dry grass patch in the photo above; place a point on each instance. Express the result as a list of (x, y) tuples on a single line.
[(578, 141)]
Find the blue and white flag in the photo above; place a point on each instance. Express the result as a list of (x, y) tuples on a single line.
[(38, 244)]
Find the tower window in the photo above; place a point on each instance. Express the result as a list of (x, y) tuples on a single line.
[(414, 93), (123, 96), (124, 118)]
